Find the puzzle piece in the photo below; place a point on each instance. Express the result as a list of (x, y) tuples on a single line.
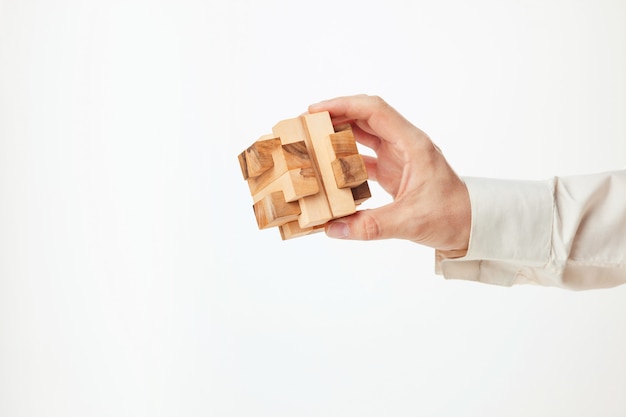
[(304, 174)]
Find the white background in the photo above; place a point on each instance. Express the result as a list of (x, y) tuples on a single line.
[(133, 280)]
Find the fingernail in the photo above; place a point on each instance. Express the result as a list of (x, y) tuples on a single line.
[(338, 230)]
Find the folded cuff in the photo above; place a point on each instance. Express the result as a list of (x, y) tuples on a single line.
[(511, 222)]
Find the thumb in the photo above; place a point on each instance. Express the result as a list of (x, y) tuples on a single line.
[(362, 225)]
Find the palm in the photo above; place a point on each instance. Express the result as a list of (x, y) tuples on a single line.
[(391, 167)]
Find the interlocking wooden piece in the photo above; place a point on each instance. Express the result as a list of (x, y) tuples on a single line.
[(304, 174), (315, 208), (361, 193), (319, 128), (293, 229), (349, 167), (257, 158), (273, 210), (278, 159)]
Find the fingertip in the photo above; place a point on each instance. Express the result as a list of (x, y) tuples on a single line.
[(338, 230), (318, 107)]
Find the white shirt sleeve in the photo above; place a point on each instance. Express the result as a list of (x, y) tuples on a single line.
[(568, 232)]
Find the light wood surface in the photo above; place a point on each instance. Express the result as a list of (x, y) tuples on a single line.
[(303, 174), (319, 129), (315, 208)]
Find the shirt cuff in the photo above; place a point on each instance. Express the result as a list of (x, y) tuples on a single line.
[(511, 230)]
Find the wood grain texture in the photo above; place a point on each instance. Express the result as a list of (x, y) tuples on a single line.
[(349, 171), (292, 230), (349, 167), (315, 208), (295, 185), (293, 156), (319, 128), (258, 158), (361, 193), (344, 143), (273, 210), (303, 174)]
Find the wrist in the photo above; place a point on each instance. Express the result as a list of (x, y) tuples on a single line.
[(459, 221)]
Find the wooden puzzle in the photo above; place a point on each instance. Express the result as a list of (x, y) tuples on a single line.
[(303, 174)]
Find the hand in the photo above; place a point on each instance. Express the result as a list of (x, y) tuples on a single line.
[(430, 205)]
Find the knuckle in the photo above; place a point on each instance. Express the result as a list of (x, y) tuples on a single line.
[(378, 101), (371, 228)]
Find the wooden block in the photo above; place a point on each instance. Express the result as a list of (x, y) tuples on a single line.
[(295, 184), (292, 156), (292, 230), (361, 193), (304, 174), (315, 208), (349, 167), (314, 213), (319, 128), (258, 158), (349, 171), (273, 210), (344, 143), (343, 127)]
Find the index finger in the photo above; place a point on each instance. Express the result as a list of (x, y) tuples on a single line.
[(371, 113)]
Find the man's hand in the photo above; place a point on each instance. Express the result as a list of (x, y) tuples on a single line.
[(430, 205)]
